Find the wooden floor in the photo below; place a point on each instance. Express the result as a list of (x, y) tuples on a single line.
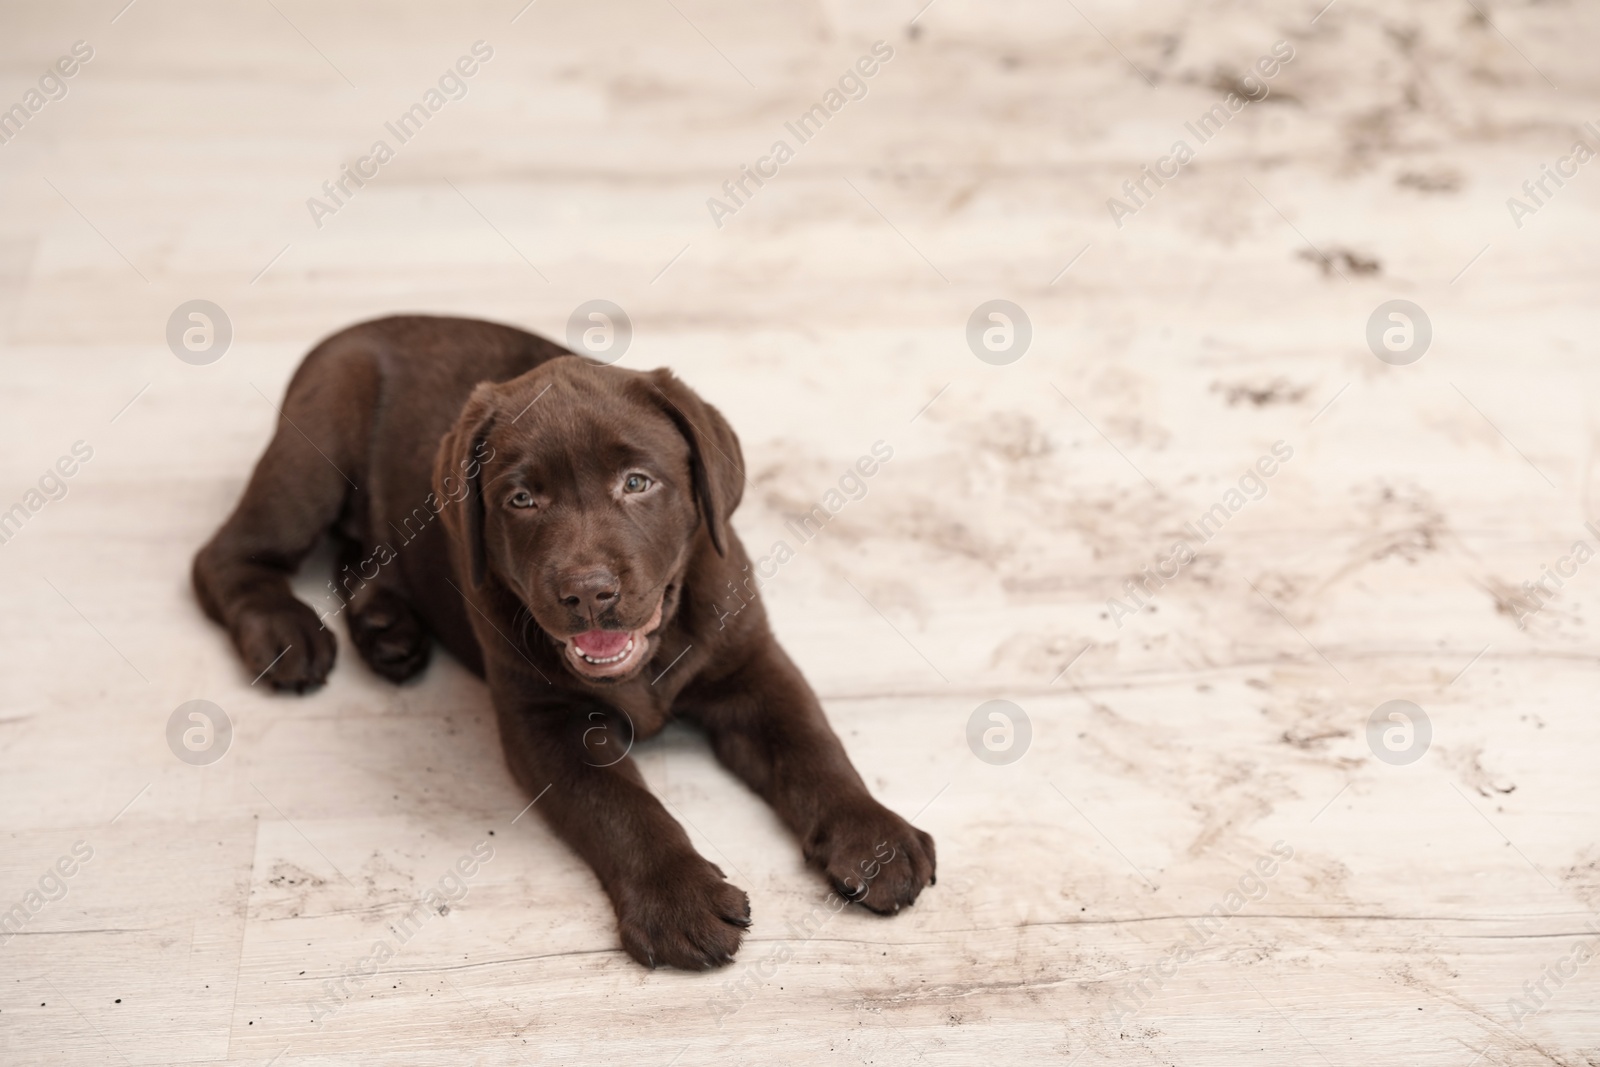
[(1199, 859)]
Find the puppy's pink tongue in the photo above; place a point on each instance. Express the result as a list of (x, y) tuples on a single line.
[(602, 644)]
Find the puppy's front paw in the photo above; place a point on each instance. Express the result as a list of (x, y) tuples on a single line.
[(874, 858), (286, 643), (683, 915)]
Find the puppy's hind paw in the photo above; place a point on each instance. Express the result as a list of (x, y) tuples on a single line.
[(391, 637)]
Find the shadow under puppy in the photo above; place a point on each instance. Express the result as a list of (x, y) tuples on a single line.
[(583, 545)]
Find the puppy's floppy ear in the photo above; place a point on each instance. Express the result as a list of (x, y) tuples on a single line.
[(716, 463), (457, 471)]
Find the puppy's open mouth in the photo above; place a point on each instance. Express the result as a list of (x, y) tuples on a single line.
[(611, 653)]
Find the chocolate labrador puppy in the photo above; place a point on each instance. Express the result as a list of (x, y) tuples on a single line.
[(581, 563)]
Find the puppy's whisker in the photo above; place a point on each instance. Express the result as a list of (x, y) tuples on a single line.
[(526, 615)]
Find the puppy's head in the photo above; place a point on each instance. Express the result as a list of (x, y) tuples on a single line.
[(585, 491)]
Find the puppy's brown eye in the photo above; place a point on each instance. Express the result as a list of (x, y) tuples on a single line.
[(635, 483), (520, 499)]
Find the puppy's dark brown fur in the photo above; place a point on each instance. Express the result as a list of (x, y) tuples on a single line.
[(571, 499)]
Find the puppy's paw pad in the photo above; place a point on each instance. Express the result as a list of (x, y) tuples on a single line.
[(689, 918), (285, 646)]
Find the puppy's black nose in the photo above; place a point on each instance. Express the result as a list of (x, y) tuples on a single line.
[(590, 591)]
